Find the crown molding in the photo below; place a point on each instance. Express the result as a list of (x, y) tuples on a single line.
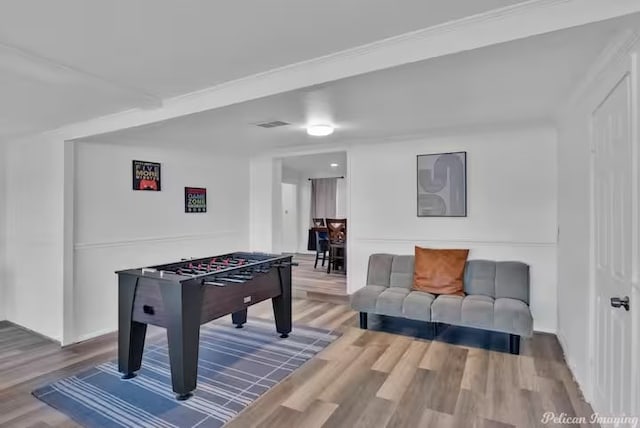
[(514, 22)]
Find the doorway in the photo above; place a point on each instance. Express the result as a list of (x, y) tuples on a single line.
[(300, 206)]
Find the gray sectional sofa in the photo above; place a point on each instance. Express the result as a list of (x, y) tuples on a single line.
[(497, 297)]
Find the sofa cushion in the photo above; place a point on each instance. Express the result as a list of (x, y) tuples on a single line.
[(402, 272), (364, 300), (417, 305), (447, 309), (390, 301), (505, 315), (497, 279), (472, 311), (512, 281), (439, 271), (480, 277), (379, 269), (512, 316), (477, 311)]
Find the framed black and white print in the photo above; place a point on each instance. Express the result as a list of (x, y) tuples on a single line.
[(442, 185)]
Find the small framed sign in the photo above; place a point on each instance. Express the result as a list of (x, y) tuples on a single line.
[(195, 200), (146, 175)]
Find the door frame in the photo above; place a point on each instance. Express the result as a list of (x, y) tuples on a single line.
[(625, 65)]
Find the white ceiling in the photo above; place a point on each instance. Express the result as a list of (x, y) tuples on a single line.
[(314, 166), (517, 81), (69, 60)]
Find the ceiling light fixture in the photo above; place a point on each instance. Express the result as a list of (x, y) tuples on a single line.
[(320, 130), (334, 165)]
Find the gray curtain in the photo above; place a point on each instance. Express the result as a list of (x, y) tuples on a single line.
[(323, 198)]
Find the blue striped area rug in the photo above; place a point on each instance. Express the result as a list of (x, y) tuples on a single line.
[(236, 366)]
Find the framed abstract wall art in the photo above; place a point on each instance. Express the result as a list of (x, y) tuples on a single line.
[(442, 185)]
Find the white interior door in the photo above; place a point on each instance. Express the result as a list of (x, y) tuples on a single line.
[(289, 217), (613, 192)]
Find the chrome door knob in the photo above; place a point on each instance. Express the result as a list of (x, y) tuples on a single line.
[(620, 302)]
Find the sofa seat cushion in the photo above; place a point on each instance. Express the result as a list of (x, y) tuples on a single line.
[(417, 306), (477, 311), (390, 301), (364, 300), (513, 316), (504, 315), (447, 309)]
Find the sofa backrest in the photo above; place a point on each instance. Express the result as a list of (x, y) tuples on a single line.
[(486, 277)]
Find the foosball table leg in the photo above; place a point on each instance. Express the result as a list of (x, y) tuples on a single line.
[(239, 318), (131, 334), (183, 307), (282, 303)]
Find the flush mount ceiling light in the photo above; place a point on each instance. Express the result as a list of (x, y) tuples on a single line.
[(334, 165), (320, 130)]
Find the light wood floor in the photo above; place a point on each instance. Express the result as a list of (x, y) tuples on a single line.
[(317, 283), (365, 378)]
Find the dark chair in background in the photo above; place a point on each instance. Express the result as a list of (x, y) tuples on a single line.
[(337, 228), (318, 222), (322, 246)]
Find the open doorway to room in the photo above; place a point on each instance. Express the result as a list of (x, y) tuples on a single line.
[(314, 222)]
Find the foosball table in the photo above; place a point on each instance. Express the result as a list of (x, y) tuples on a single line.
[(181, 296)]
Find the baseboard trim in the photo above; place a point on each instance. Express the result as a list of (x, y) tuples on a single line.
[(572, 368), (93, 335), (37, 333), (546, 331)]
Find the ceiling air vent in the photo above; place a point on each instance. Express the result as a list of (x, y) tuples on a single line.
[(274, 124)]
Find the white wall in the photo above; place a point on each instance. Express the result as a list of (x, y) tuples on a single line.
[(574, 216), (341, 198), (276, 207), (304, 214), (511, 205), (265, 224), (35, 228), (118, 228), (290, 218)]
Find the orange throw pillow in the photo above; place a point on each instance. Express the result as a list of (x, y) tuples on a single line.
[(439, 271)]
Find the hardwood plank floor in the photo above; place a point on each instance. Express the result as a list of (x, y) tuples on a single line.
[(317, 283), (363, 379)]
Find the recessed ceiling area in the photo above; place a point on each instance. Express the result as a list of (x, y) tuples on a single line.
[(66, 61), (523, 80), (318, 165)]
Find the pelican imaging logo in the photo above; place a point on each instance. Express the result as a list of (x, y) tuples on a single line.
[(195, 200), (551, 418), (146, 176), (442, 185)]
